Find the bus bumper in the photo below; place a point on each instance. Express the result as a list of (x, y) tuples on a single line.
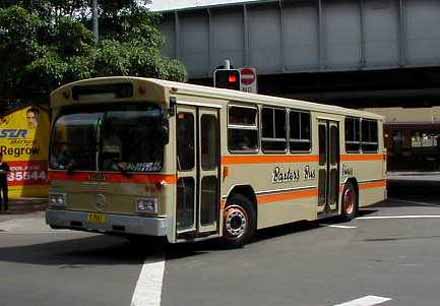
[(61, 219)]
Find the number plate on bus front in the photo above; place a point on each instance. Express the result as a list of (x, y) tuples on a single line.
[(95, 218)]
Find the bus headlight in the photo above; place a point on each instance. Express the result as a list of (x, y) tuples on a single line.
[(57, 200), (147, 205)]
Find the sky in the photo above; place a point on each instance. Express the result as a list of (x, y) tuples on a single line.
[(162, 5)]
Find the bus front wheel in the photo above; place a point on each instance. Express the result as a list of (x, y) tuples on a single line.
[(239, 221), (349, 202)]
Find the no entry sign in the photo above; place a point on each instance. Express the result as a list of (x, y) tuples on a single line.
[(248, 80)]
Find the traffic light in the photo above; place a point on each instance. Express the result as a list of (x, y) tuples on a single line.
[(227, 78)]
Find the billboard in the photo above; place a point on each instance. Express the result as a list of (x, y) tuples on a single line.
[(24, 143)]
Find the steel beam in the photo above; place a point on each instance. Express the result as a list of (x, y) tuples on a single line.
[(279, 11), (245, 36), (402, 34), (322, 61), (363, 61), (282, 38), (210, 41)]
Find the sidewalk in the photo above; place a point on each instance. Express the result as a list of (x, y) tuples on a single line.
[(413, 183), (26, 205), (418, 177)]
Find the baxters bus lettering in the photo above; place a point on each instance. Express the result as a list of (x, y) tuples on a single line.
[(280, 176), (309, 173)]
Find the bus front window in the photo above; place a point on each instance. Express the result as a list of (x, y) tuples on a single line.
[(132, 140), (74, 143), (125, 138)]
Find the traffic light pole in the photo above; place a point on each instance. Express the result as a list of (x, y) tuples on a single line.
[(227, 64)]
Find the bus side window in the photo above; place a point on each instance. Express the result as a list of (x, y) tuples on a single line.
[(352, 135), (242, 129), (273, 122), (300, 136), (369, 135)]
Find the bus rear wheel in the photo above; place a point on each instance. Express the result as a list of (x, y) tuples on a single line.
[(239, 222), (349, 202)]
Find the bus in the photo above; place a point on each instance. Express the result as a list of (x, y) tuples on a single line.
[(138, 156), (411, 138)]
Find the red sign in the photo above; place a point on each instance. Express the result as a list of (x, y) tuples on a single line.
[(27, 173), (248, 76)]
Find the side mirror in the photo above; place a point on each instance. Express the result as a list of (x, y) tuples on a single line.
[(172, 108)]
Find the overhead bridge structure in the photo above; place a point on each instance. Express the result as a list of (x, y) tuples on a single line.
[(313, 45)]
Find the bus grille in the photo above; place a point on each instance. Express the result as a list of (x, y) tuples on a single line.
[(98, 187)]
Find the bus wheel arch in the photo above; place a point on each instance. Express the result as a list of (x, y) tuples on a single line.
[(240, 216), (350, 200)]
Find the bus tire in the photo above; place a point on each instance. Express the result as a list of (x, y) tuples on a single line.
[(350, 202), (239, 222)]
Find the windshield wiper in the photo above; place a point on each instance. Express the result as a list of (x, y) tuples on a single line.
[(71, 168), (123, 167)]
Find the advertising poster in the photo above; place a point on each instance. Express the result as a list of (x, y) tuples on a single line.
[(24, 143)]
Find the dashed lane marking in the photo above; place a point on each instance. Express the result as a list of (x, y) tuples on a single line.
[(339, 226), (368, 300)]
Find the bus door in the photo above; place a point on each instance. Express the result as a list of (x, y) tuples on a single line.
[(198, 160), (329, 158)]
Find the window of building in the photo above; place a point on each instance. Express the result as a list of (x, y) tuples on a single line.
[(274, 136), (352, 134), (300, 135), (242, 129), (424, 140), (369, 135)]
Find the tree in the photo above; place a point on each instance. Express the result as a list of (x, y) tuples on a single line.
[(47, 43)]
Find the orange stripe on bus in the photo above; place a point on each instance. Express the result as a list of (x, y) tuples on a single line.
[(370, 185), (362, 157), (284, 196), (112, 177), (268, 159)]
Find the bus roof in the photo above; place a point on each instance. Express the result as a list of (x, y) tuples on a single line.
[(223, 95)]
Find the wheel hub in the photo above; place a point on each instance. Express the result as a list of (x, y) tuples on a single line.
[(236, 222), (349, 201)]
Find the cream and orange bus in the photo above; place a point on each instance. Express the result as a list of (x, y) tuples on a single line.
[(138, 156)]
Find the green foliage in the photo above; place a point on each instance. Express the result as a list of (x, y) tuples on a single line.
[(47, 43)]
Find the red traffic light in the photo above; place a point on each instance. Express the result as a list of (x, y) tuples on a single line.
[(227, 78), (232, 78)]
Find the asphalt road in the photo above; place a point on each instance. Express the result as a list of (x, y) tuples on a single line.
[(304, 264)]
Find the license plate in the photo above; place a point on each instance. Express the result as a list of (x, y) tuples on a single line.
[(95, 218)]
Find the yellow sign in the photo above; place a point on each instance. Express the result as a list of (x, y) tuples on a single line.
[(24, 143)]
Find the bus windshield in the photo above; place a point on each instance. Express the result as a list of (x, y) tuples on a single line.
[(117, 139)]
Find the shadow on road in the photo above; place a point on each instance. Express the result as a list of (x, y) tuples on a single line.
[(178, 251), (76, 253), (110, 250)]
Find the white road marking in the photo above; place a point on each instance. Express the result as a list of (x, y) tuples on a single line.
[(400, 217), (368, 300), (148, 289), (339, 226)]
